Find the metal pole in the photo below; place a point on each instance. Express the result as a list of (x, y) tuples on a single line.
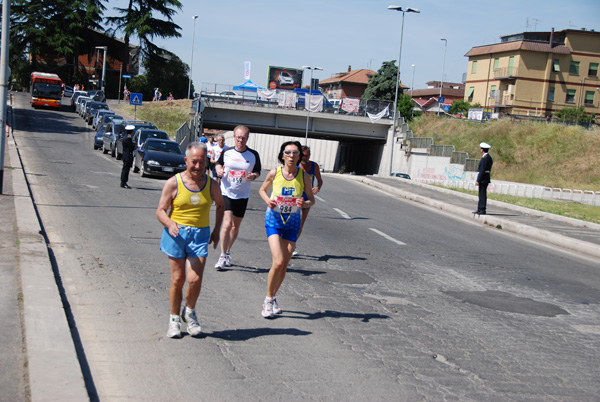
[(412, 84), (104, 70), (307, 104), (442, 82), (192, 60), (396, 98), (4, 75)]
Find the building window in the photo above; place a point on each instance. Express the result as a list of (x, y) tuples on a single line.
[(555, 66), (574, 68), (511, 63), (589, 97), (470, 94), (474, 68), (551, 94), (570, 96), (493, 91), (593, 71), (496, 63)]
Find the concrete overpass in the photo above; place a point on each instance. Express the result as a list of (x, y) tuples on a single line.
[(362, 143)]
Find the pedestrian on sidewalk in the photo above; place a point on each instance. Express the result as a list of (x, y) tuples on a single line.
[(484, 177), (183, 209), (283, 217)]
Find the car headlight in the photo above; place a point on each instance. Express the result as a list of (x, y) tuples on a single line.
[(181, 165), (153, 163)]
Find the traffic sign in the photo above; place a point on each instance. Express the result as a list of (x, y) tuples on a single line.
[(135, 99), (442, 100), (126, 76)]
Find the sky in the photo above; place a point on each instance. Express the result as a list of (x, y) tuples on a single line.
[(336, 34)]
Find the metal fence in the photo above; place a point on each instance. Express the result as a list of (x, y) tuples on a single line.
[(441, 150), (211, 92)]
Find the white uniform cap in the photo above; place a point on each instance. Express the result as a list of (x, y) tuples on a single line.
[(485, 145), (129, 127)]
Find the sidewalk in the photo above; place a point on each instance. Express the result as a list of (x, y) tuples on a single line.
[(48, 367), (566, 233)]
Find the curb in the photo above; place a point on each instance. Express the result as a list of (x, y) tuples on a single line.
[(54, 369), (563, 242)]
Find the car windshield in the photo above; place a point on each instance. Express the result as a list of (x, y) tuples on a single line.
[(163, 146), (144, 135)]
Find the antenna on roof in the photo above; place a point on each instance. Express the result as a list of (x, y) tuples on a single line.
[(536, 21)]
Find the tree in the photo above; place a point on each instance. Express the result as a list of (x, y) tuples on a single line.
[(137, 20), (166, 71), (381, 85), (459, 106), (574, 115), (405, 106)]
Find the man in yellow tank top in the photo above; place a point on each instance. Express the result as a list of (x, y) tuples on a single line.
[(183, 209)]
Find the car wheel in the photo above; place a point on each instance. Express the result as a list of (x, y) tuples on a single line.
[(118, 155), (135, 168), (142, 173), (112, 152), (104, 150)]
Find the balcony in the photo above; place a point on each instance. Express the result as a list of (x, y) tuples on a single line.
[(506, 73)]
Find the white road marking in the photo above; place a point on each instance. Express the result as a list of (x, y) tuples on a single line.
[(390, 238), (319, 198), (344, 215)]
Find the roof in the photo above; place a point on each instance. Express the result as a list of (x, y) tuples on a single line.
[(450, 92), (361, 76), (518, 45)]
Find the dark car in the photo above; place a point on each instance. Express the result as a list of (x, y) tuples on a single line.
[(97, 119), (139, 138), (160, 158), (97, 95), (91, 108), (121, 133), (402, 175), (98, 138), (109, 139)]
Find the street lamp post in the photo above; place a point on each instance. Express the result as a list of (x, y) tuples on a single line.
[(104, 48), (192, 60), (407, 10), (306, 102), (442, 82), (412, 84)]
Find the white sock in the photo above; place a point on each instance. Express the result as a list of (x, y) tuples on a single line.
[(268, 299), (174, 317)]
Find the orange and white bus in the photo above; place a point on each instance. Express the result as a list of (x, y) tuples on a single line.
[(46, 89)]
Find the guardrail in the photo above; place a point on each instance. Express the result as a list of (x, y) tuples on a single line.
[(586, 197)]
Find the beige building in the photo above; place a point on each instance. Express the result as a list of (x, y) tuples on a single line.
[(536, 73)]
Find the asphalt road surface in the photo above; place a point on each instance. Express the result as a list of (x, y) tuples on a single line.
[(387, 300)]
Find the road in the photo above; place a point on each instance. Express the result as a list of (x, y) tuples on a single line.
[(387, 300)]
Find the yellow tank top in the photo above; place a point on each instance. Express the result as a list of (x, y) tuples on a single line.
[(191, 208), (287, 189)]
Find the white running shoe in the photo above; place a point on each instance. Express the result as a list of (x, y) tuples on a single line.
[(189, 317), (227, 260), (267, 310), (276, 308), (174, 328), (220, 265), (295, 253)]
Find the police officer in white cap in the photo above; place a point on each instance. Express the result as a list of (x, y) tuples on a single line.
[(128, 148), (483, 177)]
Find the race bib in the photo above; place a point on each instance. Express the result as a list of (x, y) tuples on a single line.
[(286, 205), (236, 176)]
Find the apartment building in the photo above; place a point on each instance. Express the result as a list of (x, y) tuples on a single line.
[(536, 73)]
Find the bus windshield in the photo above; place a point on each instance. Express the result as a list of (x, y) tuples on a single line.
[(45, 90)]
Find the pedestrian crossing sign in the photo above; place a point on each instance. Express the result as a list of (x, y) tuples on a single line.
[(135, 99)]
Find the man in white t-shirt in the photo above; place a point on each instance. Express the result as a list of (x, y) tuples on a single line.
[(237, 167)]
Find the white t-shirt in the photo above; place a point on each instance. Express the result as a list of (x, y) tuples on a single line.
[(236, 168)]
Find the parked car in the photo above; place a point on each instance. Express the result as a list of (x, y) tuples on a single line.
[(67, 91), (402, 175), (121, 133), (91, 109), (160, 158), (83, 106), (98, 95), (107, 118), (98, 117), (139, 138), (109, 139), (98, 136), (76, 96), (80, 101)]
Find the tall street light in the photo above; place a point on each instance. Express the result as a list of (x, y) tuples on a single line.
[(442, 82), (407, 10), (192, 61), (306, 102), (412, 84)]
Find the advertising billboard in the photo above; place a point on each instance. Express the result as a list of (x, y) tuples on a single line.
[(284, 78)]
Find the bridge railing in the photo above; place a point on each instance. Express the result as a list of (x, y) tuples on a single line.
[(287, 99)]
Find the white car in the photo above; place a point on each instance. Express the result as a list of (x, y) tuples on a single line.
[(285, 78)]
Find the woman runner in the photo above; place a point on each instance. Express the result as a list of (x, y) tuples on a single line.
[(283, 216)]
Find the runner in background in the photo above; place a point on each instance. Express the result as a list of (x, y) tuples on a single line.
[(314, 171)]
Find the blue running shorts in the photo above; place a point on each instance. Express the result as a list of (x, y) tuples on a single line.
[(190, 242)]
